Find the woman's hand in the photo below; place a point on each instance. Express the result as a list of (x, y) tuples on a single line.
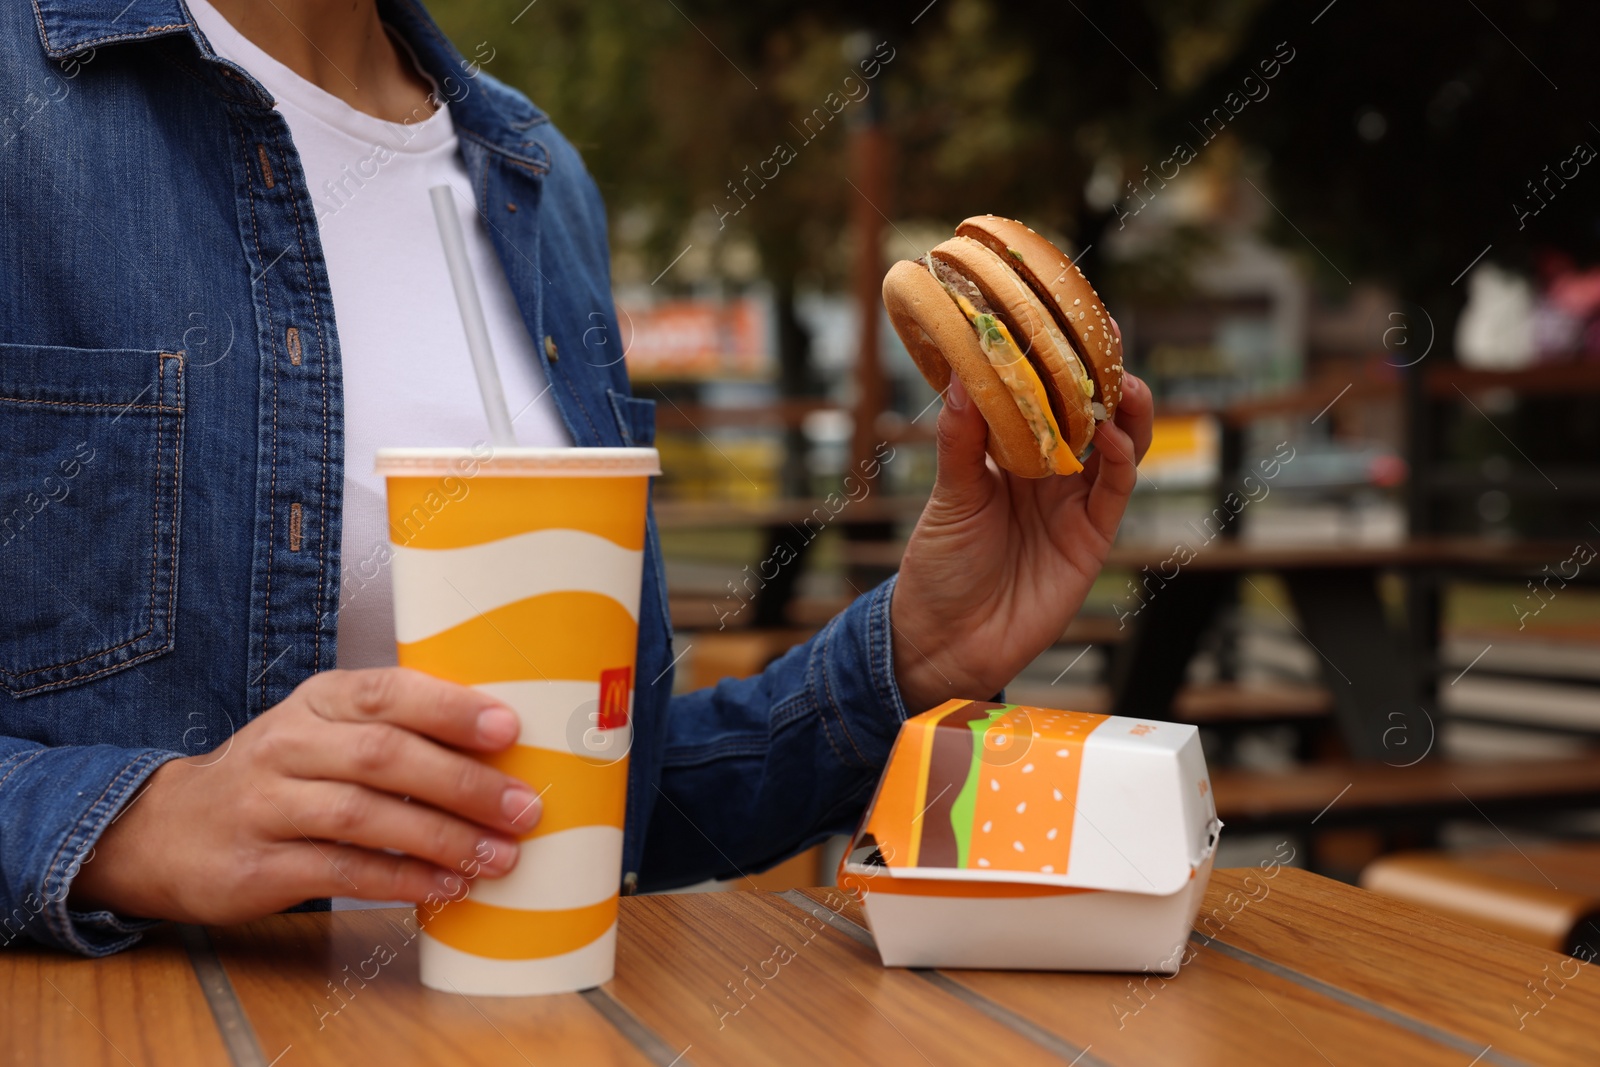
[(998, 565), (305, 800)]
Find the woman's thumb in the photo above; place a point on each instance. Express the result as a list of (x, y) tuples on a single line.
[(962, 438)]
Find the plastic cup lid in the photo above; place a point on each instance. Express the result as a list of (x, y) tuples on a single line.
[(493, 461)]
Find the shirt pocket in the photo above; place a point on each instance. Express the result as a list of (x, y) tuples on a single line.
[(636, 418), (91, 446)]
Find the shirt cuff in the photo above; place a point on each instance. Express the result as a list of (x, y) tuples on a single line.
[(94, 933), (852, 681), (880, 633)]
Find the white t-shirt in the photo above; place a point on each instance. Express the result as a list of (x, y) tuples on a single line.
[(408, 379)]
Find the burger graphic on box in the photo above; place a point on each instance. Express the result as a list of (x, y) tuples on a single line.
[(1009, 836)]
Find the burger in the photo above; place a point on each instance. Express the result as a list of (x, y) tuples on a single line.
[(1014, 319)]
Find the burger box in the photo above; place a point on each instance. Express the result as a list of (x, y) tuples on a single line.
[(1009, 836)]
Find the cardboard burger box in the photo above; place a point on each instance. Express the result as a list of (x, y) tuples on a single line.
[(1009, 836)]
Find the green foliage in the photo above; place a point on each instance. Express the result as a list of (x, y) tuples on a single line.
[(1009, 108)]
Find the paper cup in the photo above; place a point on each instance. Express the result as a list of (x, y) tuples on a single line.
[(517, 571)]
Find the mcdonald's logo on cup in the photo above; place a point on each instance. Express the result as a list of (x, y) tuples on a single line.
[(615, 685)]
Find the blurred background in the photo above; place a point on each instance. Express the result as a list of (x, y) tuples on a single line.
[(1353, 247)]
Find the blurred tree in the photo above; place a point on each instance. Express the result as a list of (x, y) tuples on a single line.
[(1389, 142), (1378, 142)]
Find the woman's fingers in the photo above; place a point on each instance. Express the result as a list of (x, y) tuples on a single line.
[(962, 480), (1115, 473), (395, 760), (340, 812), (454, 714), (305, 871), (1136, 414)]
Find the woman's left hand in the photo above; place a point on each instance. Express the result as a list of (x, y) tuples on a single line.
[(998, 564)]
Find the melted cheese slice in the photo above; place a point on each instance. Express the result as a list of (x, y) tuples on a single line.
[(1021, 379)]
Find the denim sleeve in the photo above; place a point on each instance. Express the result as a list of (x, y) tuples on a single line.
[(54, 805), (759, 768)]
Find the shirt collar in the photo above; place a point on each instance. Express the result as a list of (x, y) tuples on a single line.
[(70, 26), (480, 108)]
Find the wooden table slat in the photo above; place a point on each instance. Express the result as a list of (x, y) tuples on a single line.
[(744, 978), (317, 990), (1459, 980), (1217, 1010), (143, 1006), (1458, 977), (837, 901)]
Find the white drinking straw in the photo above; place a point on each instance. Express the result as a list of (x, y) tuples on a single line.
[(472, 320)]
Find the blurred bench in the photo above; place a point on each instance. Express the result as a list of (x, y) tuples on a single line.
[(1231, 704), (695, 613), (790, 529), (874, 507), (1225, 706), (738, 653), (1377, 676), (1329, 795), (1545, 895)]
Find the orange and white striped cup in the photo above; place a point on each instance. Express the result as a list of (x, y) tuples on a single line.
[(517, 571)]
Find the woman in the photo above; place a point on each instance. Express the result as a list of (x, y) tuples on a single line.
[(223, 292)]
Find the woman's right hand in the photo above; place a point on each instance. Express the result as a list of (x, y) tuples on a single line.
[(307, 800)]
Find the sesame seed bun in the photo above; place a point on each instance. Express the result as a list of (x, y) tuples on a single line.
[(1062, 287)]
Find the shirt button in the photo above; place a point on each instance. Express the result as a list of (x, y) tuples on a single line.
[(550, 348)]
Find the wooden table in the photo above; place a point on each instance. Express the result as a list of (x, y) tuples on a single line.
[(1284, 969)]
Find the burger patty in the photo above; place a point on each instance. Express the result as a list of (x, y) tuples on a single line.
[(952, 278)]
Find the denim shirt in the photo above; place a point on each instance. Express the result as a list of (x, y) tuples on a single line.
[(171, 422)]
